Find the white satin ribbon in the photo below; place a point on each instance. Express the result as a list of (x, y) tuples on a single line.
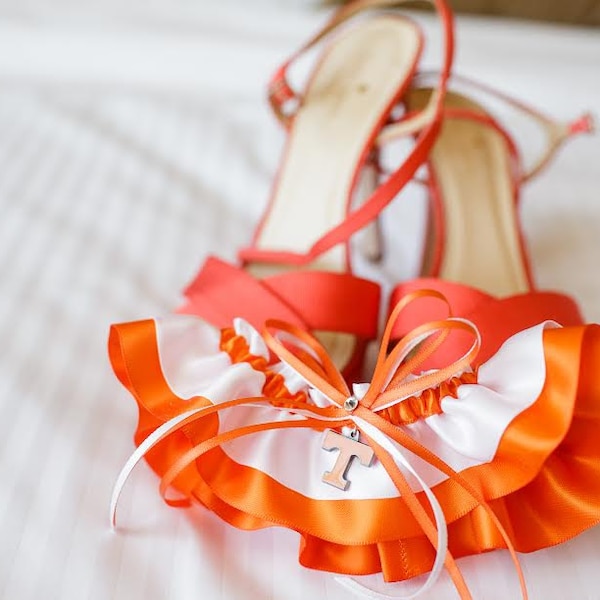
[(440, 520), (156, 436)]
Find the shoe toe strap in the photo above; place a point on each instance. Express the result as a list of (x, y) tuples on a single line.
[(313, 300), (496, 319)]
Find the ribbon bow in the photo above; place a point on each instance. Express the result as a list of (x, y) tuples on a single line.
[(393, 381)]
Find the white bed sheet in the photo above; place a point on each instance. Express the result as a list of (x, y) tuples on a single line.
[(135, 140)]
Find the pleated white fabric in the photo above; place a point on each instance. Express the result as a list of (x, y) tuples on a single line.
[(134, 140)]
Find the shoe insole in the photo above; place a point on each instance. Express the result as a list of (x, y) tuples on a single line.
[(471, 165), (357, 79)]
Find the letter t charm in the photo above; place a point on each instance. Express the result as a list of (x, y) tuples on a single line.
[(348, 449)]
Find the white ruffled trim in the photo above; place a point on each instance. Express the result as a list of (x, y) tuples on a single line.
[(193, 364), (254, 340)]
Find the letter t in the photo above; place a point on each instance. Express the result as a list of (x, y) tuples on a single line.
[(348, 449)]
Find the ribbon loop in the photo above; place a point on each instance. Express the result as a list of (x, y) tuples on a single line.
[(307, 357)]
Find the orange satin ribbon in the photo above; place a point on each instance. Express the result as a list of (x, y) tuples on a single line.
[(393, 380)]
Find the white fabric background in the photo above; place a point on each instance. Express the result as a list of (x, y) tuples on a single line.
[(134, 140)]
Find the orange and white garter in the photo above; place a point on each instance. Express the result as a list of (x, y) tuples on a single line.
[(399, 475)]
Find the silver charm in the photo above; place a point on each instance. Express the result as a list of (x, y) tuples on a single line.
[(348, 447)]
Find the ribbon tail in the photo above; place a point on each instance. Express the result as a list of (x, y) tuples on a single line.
[(218, 440), (399, 436), (389, 456), (159, 434), (313, 417), (154, 438)]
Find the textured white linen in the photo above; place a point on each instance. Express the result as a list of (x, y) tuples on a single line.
[(134, 139)]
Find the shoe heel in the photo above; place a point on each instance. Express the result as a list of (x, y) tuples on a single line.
[(371, 244)]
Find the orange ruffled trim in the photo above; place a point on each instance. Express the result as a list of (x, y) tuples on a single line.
[(408, 411), (428, 403), (237, 347)]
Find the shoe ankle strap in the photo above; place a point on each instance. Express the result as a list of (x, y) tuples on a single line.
[(313, 300), (284, 100), (557, 132)]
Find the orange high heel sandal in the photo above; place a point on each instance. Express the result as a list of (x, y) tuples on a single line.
[(475, 252), (298, 267)]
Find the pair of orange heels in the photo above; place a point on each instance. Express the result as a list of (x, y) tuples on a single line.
[(476, 430)]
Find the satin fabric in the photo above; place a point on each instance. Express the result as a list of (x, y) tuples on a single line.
[(539, 478), (496, 318)]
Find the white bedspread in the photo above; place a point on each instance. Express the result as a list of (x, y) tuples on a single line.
[(135, 140)]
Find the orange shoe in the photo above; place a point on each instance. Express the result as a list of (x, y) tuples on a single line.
[(298, 267), (475, 253)]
